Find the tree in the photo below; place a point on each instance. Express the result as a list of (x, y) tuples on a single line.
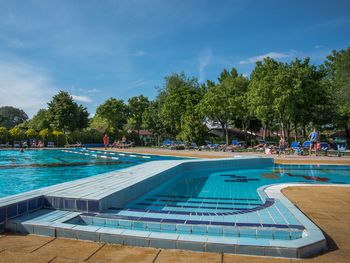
[(180, 96), (82, 118), (221, 103), (151, 119), (260, 93), (137, 106), (16, 133), (11, 116), (31, 133), (65, 114), (40, 120), (99, 124), (3, 134), (193, 128), (57, 135), (338, 73), (44, 134), (115, 112)]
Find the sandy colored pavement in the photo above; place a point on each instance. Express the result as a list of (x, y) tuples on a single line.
[(289, 159), (328, 207)]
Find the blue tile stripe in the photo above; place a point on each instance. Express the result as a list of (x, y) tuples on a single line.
[(268, 202), (188, 222), (206, 198)]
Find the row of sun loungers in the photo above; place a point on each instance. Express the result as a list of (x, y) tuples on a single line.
[(24, 144)]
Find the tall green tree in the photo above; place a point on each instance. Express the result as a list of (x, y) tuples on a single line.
[(260, 93), (11, 116), (137, 106), (40, 120), (3, 134), (152, 119), (65, 114), (338, 72), (99, 124), (180, 96), (115, 112), (222, 102)]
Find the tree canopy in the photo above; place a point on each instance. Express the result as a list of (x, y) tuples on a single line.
[(65, 114), (115, 113), (280, 97), (11, 116)]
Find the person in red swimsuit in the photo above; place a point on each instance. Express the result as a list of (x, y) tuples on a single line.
[(105, 141)]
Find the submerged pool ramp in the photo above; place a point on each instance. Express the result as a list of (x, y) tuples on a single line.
[(96, 208)]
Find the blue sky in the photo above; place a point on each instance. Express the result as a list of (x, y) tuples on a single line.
[(100, 49)]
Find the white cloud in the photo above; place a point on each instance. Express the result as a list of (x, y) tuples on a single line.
[(261, 57), (94, 90), (138, 53), (80, 98), (24, 86), (204, 60)]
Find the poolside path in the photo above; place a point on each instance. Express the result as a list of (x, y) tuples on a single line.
[(289, 159), (328, 207)]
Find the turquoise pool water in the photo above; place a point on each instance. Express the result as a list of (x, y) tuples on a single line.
[(216, 191), (220, 201), (33, 169)]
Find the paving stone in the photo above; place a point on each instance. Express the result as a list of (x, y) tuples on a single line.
[(23, 243), (174, 256), (22, 257), (119, 253), (66, 260), (69, 248), (231, 258)]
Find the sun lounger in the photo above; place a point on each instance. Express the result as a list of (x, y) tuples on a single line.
[(298, 150), (324, 146), (5, 145), (24, 144), (341, 148), (306, 144), (50, 144), (16, 144)]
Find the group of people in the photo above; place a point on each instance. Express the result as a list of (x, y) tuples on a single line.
[(314, 140), (115, 144)]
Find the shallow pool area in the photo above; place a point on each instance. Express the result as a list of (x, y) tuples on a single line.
[(222, 205)]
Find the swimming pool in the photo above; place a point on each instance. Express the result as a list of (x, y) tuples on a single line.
[(33, 169), (219, 201), (227, 205)]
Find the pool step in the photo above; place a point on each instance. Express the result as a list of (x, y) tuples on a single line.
[(180, 226)]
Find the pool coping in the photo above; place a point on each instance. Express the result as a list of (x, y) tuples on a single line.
[(313, 242)]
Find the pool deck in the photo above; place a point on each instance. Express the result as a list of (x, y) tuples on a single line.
[(289, 159), (330, 212)]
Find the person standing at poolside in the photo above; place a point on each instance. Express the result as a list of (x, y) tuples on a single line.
[(282, 146), (105, 141), (313, 141)]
